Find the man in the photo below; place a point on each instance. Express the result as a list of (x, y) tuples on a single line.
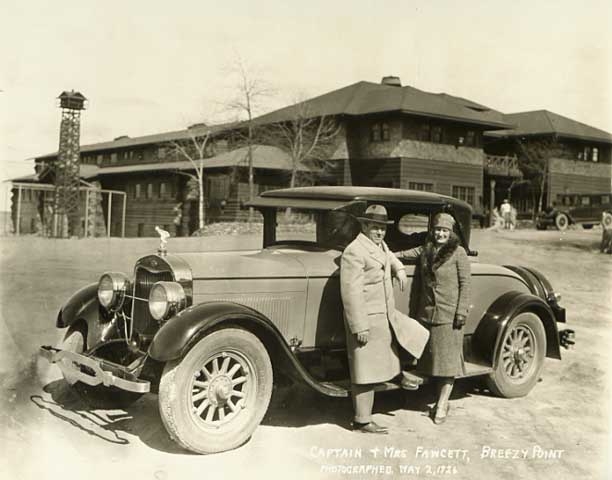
[(505, 211), (366, 287)]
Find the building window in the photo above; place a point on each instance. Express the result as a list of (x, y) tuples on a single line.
[(386, 135), (161, 152), (113, 158), (163, 189), (424, 133), (586, 153), (423, 187), (466, 194), (138, 190), (436, 134), (379, 132), (470, 138), (149, 190), (595, 154)]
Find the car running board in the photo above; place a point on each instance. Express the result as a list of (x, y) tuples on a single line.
[(342, 388)]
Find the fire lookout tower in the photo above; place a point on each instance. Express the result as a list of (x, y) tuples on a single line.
[(66, 221)]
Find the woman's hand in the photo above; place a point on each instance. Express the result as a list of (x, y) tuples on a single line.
[(363, 337), (459, 321)]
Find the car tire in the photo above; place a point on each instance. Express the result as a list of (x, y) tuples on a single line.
[(213, 399), (97, 396), (520, 357), (606, 221), (561, 221)]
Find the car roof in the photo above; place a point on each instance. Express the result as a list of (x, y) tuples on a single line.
[(332, 194)]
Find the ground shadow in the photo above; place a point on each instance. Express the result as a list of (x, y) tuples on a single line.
[(300, 406), (140, 419)]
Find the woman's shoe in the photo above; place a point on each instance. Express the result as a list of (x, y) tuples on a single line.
[(441, 414)]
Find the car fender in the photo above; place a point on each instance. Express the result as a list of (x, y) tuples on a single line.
[(176, 337), (83, 304), (494, 324)]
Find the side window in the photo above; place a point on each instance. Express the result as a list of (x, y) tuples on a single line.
[(585, 201), (413, 223), (605, 199)]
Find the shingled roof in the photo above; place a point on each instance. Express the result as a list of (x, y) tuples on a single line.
[(264, 157), (543, 122), (158, 138), (363, 98)]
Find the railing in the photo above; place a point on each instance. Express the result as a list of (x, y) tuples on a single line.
[(502, 165)]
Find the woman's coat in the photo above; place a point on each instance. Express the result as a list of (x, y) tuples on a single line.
[(441, 287)]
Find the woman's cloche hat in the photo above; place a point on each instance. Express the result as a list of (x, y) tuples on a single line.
[(376, 214), (444, 220)]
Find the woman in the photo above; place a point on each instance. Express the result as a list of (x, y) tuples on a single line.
[(440, 301)]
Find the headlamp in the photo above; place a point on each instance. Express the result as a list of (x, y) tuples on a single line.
[(111, 290), (165, 299)]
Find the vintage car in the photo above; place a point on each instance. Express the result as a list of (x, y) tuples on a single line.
[(586, 209), (210, 332)]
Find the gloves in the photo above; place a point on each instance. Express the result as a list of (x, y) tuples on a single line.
[(459, 321)]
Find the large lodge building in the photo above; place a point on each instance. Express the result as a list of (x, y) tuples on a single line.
[(389, 135)]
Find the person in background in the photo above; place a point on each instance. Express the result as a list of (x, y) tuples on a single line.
[(440, 299), (366, 270), (506, 212)]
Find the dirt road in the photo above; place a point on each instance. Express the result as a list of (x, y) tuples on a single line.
[(560, 430)]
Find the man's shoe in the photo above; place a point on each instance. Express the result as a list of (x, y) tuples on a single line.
[(371, 427), (410, 381)]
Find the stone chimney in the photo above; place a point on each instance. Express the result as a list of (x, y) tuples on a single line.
[(392, 81)]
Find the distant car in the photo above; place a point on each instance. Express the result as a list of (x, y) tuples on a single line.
[(210, 332), (586, 209)]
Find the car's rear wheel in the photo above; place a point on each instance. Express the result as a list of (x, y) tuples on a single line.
[(561, 221), (213, 398), (97, 396), (606, 220), (520, 357)]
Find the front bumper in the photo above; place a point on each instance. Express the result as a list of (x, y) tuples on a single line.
[(94, 371)]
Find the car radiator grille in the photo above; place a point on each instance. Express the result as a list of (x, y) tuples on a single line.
[(144, 323)]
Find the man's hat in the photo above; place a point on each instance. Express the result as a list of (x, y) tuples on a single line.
[(376, 214)]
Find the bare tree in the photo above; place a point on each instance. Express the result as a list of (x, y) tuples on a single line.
[(305, 136), (534, 160), (250, 92), (195, 150)]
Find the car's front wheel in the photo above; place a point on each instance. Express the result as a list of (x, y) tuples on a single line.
[(213, 398), (561, 221), (520, 357)]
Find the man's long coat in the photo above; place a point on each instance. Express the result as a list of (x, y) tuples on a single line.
[(367, 295)]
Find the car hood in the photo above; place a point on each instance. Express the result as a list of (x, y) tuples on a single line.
[(267, 263)]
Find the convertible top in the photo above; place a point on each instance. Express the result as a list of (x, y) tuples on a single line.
[(333, 197)]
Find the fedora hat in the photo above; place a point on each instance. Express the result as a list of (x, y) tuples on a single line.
[(376, 214)]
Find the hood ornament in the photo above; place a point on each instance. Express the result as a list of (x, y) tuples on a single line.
[(163, 240)]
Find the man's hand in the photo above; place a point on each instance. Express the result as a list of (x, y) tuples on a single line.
[(459, 321), (363, 337), (402, 279)]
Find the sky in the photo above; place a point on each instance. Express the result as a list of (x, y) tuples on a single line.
[(152, 66)]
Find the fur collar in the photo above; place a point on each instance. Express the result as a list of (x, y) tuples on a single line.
[(432, 260)]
